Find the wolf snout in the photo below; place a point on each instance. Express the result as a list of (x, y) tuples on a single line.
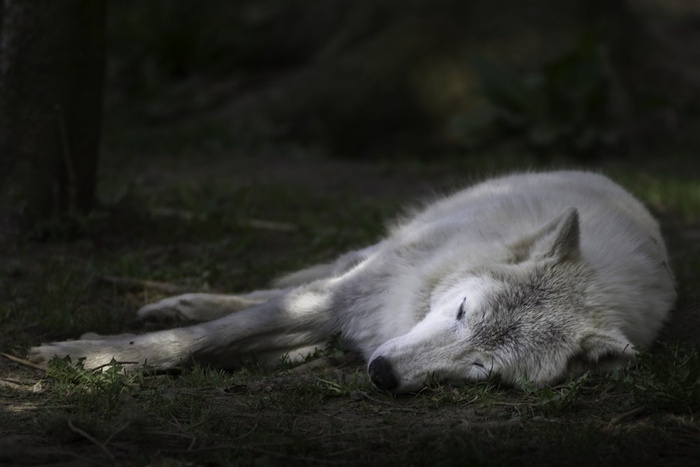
[(382, 374)]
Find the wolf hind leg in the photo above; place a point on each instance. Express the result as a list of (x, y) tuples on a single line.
[(327, 270), (293, 320), (203, 306), (272, 359)]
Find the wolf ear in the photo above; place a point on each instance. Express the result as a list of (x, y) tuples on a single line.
[(558, 239), (603, 351)]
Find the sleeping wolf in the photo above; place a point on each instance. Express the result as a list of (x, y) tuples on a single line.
[(529, 277)]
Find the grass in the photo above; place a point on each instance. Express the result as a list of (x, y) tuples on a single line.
[(191, 228), (666, 381), (675, 194)]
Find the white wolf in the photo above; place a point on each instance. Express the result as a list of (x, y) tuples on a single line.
[(528, 277)]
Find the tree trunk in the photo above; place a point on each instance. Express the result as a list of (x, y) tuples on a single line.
[(51, 77)]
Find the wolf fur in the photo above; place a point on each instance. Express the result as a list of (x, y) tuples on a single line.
[(529, 277)]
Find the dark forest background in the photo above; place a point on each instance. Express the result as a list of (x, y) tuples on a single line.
[(570, 75), (579, 79)]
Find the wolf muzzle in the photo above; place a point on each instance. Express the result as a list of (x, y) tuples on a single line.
[(382, 374)]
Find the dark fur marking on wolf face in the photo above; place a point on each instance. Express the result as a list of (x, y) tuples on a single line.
[(518, 317)]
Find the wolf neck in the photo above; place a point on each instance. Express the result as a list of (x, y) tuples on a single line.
[(437, 262)]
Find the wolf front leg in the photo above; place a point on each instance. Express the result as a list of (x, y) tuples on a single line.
[(296, 319)]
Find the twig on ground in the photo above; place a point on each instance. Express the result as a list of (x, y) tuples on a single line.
[(364, 395), (179, 213), (98, 369), (627, 416), (130, 282), (92, 440), (24, 362), (263, 224), (117, 431)]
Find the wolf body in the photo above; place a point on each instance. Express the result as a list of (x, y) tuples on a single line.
[(529, 277)]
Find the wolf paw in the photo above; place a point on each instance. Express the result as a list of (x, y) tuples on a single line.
[(193, 307), (45, 352), (42, 354), (95, 353), (178, 308)]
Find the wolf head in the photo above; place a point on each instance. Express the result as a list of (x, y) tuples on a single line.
[(532, 316)]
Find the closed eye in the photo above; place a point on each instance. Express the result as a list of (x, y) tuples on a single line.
[(478, 372), (460, 313)]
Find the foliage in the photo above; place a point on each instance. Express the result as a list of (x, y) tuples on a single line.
[(560, 398), (153, 42), (567, 106), (98, 390), (668, 380)]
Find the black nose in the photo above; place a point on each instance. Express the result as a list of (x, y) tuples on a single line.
[(382, 374)]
